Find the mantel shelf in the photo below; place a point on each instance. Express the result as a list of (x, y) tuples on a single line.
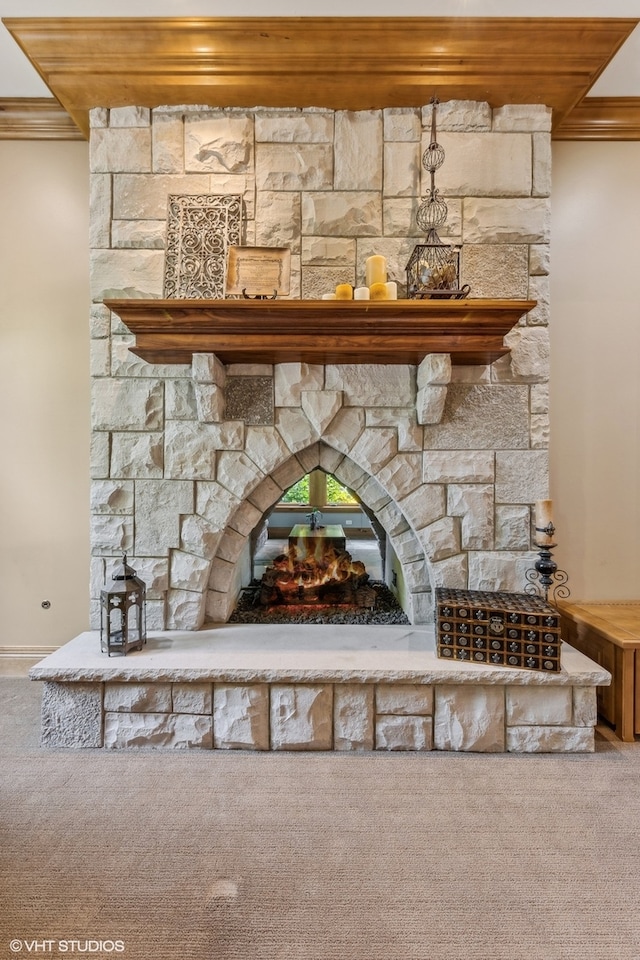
[(320, 331)]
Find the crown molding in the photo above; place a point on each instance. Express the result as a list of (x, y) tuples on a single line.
[(344, 63), (602, 118), (36, 118)]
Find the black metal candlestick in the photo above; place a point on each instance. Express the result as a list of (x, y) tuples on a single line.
[(545, 576)]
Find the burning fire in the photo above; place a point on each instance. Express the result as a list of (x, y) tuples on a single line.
[(312, 573)]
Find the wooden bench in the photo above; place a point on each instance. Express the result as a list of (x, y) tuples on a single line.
[(609, 633)]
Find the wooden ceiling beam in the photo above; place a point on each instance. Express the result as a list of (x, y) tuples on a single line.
[(346, 63)]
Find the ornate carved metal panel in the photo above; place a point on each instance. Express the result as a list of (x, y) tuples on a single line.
[(200, 230)]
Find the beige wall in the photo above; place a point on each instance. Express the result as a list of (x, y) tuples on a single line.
[(595, 356), (44, 388), (44, 392)]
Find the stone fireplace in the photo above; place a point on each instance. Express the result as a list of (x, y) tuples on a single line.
[(188, 459), (442, 437)]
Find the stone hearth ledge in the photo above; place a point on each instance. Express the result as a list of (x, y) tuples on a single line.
[(325, 687)]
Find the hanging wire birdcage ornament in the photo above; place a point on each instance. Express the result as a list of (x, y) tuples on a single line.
[(433, 270)]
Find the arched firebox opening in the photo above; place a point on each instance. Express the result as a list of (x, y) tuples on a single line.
[(404, 564)]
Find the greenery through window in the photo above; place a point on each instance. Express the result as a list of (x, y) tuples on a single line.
[(327, 492)]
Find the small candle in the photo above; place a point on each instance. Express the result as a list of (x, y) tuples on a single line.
[(328, 296), (375, 270), (392, 290), (378, 291), (361, 293), (544, 521), (344, 291)]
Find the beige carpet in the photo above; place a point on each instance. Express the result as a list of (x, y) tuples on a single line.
[(205, 856)]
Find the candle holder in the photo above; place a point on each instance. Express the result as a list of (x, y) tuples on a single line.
[(545, 576)]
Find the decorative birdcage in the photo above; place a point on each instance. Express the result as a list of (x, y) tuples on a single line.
[(433, 270)]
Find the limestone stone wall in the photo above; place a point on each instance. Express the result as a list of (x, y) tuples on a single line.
[(186, 460)]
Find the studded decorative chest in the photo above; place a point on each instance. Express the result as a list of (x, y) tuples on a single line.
[(507, 629)]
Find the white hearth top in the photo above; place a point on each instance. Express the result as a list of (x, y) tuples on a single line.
[(288, 653)]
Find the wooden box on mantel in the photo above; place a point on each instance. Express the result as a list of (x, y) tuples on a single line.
[(507, 629)]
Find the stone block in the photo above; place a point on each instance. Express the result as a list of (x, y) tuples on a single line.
[(358, 150), (265, 495), (540, 431), (430, 404), (210, 403), (452, 572), (539, 290), (504, 570), (137, 455), (539, 398), (111, 534), (434, 370), (121, 151), (250, 399), (301, 717), (522, 116), (320, 407), (496, 270), (529, 358), (99, 358), (373, 494), (218, 606), (522, 476), (99, 455), (416, 576), (99, 211), (192, 698), (353, 717), (185, 610), (585, 707), (348, 213), (460, 115), (216, 504), (290, 379), (374, 448), (126, 273), (482, 417), (401, 475), (401, 123), (407, 548), (329, 252), (517, 220), (167, 143), (71, 715), (129, 117), (144, 196), (138, 234), (345, 429), (513, 524), (474, 504), (137, 697), (295, 167), (469, 717), (401, 169), (505, 170), (154, 573), (399, 219), (329, 460), (294, 127), (539, 706), (277, 222), (541, 165), (373, 385), (199, 536), (206, 368), (187, 571), (392, 520), (241, 716), (421, 610), (112, 496), (238, 473), (127, 404), (221, 144), (404, 699), (527, 739), (231, 545), (403, 420), (247, 517), (158, 730), (318, 281), (266, 447), (424, 505), (295, 428), (458, 466), (441, 539), (539, 259), (159, 504), (404, 733)]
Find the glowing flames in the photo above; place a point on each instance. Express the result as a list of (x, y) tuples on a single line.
[(314, 572)]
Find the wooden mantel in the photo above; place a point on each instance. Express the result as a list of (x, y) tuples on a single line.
[(320, 331)]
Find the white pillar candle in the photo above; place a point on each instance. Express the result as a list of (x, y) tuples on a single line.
[(361, 293), (328, 296), (392, 290), (375, 270), (543, 517)]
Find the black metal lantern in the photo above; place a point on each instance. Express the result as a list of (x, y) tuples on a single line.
[(433, 270), (122, 612)]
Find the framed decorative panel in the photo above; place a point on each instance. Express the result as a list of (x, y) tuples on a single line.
[(200, 230)]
